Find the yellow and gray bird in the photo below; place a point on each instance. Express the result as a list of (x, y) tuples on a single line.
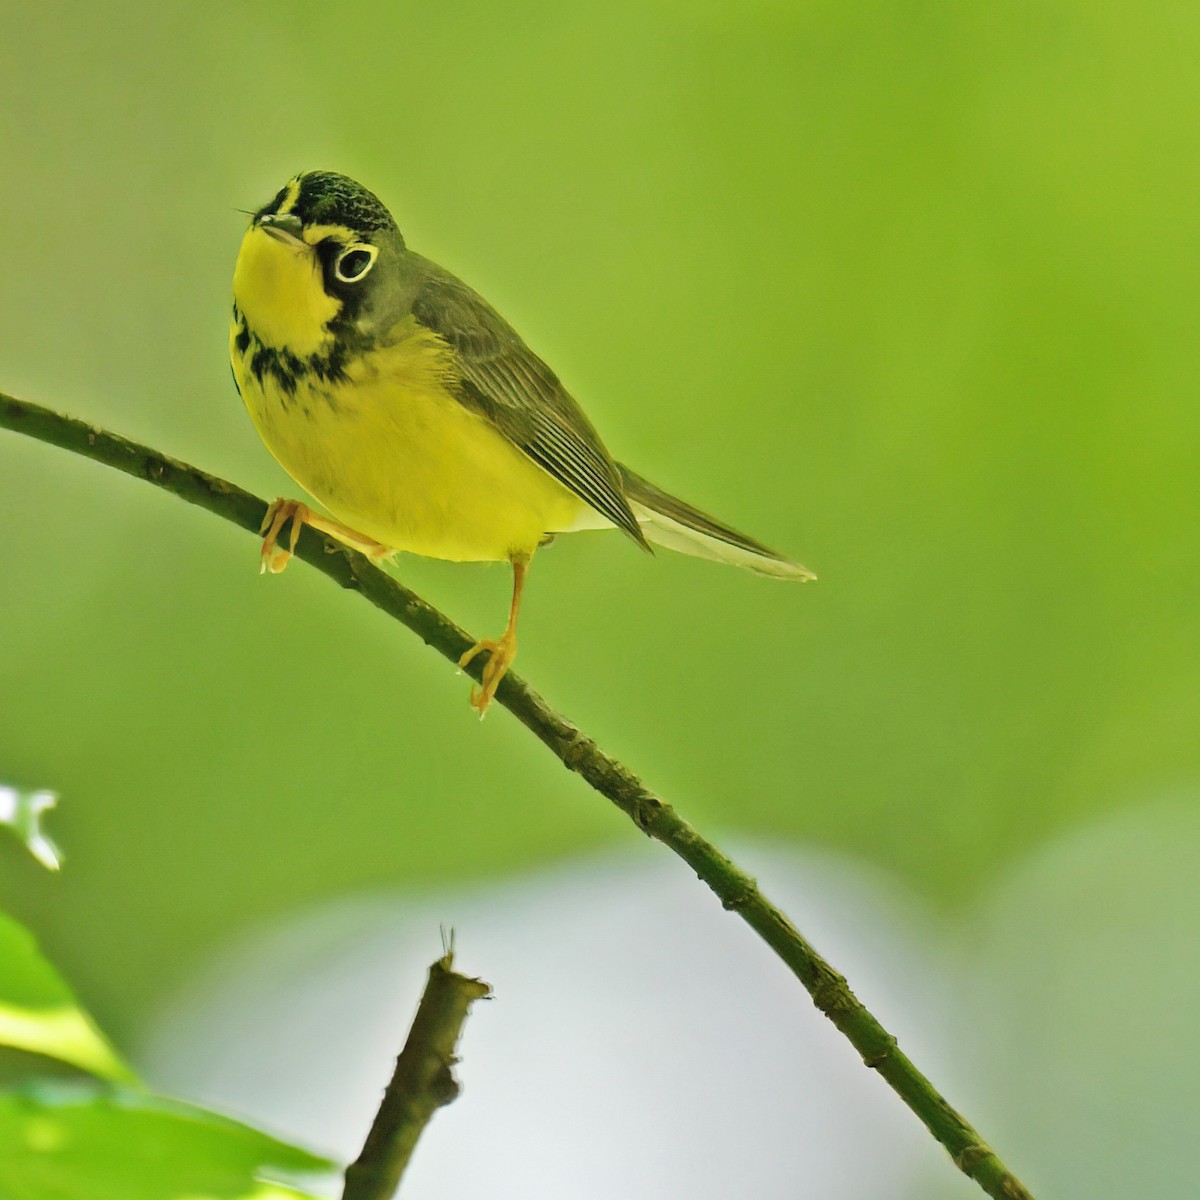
[(402, 401)]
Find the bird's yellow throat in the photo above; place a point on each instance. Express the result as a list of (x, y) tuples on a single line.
[(277, 286)]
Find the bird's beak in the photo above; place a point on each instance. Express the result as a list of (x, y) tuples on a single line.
[(283, 227)]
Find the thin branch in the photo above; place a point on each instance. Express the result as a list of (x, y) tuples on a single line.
[(736, 890), (422, 1082)]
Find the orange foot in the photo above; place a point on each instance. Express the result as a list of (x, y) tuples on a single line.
[(501, 654), (275, 560)]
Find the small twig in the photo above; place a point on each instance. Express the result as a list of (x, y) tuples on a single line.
[(422, 1082), (736, 890)]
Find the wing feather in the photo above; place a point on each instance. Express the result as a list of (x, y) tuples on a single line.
[(504, 381)]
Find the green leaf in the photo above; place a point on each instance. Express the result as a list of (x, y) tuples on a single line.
[(22, 813), (39, 1013), (96, 1143)]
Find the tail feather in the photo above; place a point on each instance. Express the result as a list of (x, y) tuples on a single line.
[(673, 523)]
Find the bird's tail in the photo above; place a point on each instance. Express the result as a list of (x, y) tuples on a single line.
[(677, 525)]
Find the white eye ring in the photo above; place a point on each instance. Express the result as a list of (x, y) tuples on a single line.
[(358, 268)]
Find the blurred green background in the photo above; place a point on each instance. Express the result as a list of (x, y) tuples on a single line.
[(905, 289)]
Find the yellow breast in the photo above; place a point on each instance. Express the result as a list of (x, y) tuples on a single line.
[(391, 452)]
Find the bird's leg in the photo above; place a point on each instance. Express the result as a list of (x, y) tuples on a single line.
[(502, 652), (275, 560)]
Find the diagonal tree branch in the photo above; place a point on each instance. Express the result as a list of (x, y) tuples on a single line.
[(736, 890)]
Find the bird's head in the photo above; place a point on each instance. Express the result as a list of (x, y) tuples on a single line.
[(322, 260)]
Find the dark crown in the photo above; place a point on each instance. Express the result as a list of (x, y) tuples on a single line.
[(327, 198)]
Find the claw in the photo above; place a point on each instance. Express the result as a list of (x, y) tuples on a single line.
[(501, 654), (274, 559)]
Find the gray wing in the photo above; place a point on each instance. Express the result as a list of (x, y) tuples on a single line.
[(505, 382)]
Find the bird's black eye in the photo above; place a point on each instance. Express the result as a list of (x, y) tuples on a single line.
[(354, 262)]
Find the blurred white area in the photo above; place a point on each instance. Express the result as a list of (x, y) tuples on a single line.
[(22, 812), (642, 1042), (1084, 997)]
